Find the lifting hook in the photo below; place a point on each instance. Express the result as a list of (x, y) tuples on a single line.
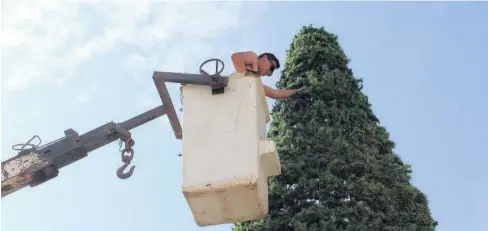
[(126, 160), (121, 174)]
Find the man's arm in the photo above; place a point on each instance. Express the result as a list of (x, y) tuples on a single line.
[(243, 60), (277, 94)]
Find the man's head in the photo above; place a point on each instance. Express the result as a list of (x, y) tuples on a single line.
[(267, 63)]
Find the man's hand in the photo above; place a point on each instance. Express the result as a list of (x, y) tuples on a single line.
[(302, 90)]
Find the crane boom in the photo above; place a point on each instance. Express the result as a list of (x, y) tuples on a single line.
[(35, 164)]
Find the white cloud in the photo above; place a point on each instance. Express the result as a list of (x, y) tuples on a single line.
[(48, 40)]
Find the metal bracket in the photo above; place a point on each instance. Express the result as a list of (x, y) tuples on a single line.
[(168, 106)]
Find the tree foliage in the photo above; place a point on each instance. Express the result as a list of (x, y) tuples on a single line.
[(339, 171)]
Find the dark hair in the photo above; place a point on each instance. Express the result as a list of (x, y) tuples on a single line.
[(271, 57)]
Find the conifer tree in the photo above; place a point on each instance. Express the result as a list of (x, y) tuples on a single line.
[(339, 171)]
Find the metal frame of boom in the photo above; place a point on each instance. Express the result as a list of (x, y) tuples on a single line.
[(35, 164)]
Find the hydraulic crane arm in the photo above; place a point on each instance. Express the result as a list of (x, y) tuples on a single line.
[(35, 164)]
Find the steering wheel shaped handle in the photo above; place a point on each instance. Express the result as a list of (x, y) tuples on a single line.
[(217, 71)]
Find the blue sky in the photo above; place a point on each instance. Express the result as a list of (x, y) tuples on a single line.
[(68, 64)]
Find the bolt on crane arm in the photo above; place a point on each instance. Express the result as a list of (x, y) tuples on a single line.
[(35, 164)]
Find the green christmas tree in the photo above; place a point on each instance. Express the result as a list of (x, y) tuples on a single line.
[(339, 171)]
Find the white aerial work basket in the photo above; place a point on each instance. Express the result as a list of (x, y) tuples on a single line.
[(226, 157)]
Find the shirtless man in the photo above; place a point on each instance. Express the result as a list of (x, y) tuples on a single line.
[(263, 65)]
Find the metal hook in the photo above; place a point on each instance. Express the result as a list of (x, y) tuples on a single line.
[(126, 160), (121, 174)]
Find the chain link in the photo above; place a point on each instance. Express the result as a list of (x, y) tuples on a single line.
[(128, 149)]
